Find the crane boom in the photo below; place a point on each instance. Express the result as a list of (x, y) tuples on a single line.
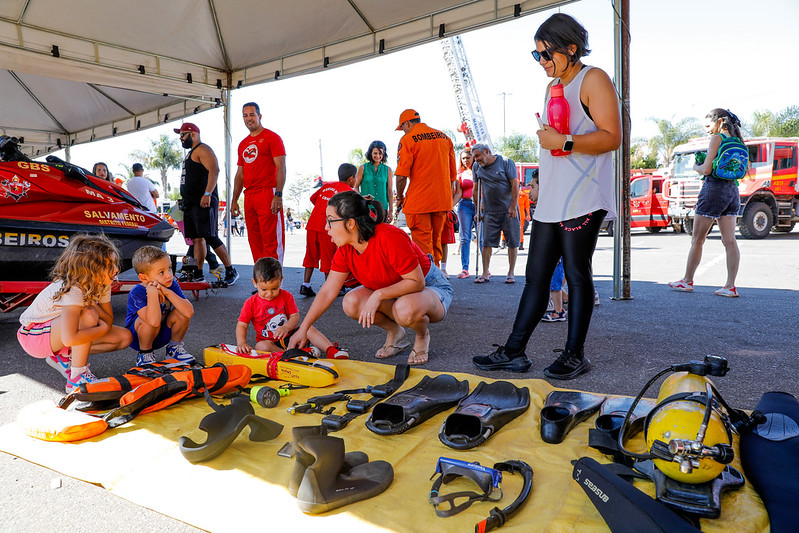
[(466, 97)]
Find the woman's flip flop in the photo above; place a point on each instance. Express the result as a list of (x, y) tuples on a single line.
[(390, 350), (417, 358), (480, 279)]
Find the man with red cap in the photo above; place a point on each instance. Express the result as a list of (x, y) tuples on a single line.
[(426, 163), (261, 175), (201, 202)]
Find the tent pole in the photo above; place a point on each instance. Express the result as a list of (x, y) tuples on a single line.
[(621, 235), (228, 192)]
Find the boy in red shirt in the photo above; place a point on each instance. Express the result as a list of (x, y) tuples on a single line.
[(319, 248), (275, 316)]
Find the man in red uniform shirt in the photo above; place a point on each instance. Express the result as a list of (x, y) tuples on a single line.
[(319, 247), (261, 174), (426, 158)]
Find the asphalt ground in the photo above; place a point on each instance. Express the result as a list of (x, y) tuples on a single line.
[(628, 342)]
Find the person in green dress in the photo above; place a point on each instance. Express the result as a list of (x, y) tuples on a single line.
[(376, 179)]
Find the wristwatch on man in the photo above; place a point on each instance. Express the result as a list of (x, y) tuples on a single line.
[(279, 194), (206, 194), (568, 144)]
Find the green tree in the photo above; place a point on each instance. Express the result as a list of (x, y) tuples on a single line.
[(456, 140), (642, 155), (788, 122), (356, 157), (763, 123), (671, 134), (126, 174), (164, 154), (298, 188), (519, 147)]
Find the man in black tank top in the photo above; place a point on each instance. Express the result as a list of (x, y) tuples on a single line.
[(201, 201)]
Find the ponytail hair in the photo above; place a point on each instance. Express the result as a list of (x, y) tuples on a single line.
[(729, 119), (366, 212)]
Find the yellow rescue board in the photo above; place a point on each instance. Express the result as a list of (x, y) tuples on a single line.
[(307, 371)]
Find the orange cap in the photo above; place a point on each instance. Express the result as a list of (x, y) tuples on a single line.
[(408, 114)]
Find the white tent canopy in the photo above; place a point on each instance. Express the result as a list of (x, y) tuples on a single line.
[(86, 70)]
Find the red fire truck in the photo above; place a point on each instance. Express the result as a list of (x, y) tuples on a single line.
[(769, 191)]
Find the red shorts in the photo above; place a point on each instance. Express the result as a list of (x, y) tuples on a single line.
[(319, 250), (35, 340)]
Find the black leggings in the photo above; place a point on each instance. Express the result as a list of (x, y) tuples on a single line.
[(575, 241)]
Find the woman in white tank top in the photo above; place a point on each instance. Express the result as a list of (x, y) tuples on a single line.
[(576, 192)]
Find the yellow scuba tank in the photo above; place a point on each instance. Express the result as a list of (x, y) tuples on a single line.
[(677, 421)]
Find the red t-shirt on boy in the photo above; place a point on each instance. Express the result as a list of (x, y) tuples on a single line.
[(268, 315), (318, 221)]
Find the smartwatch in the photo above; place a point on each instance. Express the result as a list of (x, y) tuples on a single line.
[(568, 144), (279, 194)]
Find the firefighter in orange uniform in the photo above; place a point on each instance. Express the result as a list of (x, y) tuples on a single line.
[(426, 164)]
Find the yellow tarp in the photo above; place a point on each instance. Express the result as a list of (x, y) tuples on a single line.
[(245, 487)]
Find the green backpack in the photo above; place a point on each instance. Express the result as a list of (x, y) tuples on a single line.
[(732, 159)]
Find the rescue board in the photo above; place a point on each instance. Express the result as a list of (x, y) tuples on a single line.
[(307, 371)]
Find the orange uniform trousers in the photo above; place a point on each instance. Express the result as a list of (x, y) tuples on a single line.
[(426, 230)]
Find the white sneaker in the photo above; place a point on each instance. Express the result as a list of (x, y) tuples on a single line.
[(729, 293), (60, 364), (178, 351), (84, 377)]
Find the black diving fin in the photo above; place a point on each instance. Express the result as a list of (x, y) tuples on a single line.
[(413, 406), (481, 414), (565, 409), (329, 483), (224, 425), (605, 436), (303, 459), (612, 413)]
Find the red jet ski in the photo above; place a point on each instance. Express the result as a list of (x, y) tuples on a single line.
[(43, 204)]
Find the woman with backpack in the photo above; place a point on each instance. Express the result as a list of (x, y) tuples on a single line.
[(718, 200)]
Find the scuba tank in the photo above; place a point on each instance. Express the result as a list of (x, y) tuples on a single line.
[(689, 432), (697, 452)]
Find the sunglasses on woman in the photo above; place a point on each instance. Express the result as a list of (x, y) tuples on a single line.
[(546, 54)]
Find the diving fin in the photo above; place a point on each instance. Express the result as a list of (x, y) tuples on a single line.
[(327, 483), (770, 458), (624, 508), (565, 409), (605, 436), (481, 414), (224, 425), (302, 459), (413, 406)]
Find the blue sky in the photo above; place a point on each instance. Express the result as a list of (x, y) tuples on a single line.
[(687, 57)]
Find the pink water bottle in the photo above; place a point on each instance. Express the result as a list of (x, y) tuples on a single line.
[(558, 114)]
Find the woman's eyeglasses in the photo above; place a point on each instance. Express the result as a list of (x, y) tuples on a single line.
[(546, 54), (331, 220)]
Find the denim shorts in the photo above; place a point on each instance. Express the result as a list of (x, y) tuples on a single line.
[(557, 278), (718, 198), (436, 282)]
